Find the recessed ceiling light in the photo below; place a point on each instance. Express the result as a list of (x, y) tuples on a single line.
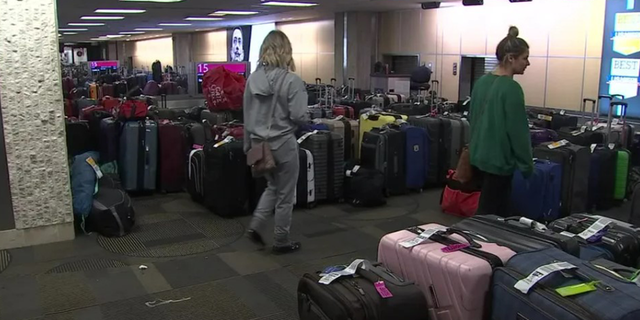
[(86, 24), (202, 19), (114, 36), (124, 11), (69, 33), (102, 18), (174, 24), (237, 13), (72, 29), (148, 29), (99, 39), (289, 4), (217, 14), (160, 1), (132, 32)]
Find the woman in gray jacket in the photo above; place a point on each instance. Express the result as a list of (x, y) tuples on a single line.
[(277, 127)]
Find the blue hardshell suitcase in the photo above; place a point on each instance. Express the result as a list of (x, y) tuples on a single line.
[(539, 196), (616, 296), (436, 171), (139, 155), (416, 156)]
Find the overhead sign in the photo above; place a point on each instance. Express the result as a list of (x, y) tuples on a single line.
[(626, 36)]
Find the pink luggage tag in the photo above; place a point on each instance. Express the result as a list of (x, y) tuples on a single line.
[(455, 247), (382, 289), (197, 147)]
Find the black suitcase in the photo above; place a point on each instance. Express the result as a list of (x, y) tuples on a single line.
[(335, 183), (602, 178), (437, 171), (576, 164), (356, 297), (517, 236), (585, 138), (112, 213), (78, 138), (383, 150), (622, 244), (225, 176), (195, 175), (409, 109)]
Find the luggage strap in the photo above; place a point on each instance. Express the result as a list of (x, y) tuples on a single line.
[(142, 133), (440, 237)]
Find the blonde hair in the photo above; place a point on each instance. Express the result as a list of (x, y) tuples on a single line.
[(276, 51)]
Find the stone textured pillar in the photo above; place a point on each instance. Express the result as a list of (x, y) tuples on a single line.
[(33, 120)]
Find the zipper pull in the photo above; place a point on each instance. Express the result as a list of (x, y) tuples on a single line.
[(355, 285)]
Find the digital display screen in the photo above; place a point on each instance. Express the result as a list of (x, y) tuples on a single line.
[(620, 68), (235, 67), (103, 65)]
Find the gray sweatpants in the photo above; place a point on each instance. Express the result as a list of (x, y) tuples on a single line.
[(280, 193)]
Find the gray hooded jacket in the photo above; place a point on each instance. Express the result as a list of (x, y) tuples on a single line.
[(290, 110)]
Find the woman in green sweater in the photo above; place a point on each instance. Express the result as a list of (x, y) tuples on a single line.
[(500, 140)]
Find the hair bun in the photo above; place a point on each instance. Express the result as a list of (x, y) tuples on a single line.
[(513, 32)]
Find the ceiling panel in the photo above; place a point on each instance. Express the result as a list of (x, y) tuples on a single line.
[(72, 10)]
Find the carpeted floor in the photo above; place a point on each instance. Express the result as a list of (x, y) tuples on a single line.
[(198, 266)]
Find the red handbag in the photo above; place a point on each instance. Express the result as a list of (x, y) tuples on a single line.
[(459, 199), (133, 109), (223, 90)]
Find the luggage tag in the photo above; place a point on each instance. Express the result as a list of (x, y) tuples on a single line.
[(348, 271), (596, 230), (307, 135), (95, 167), (424, 236), (223, 142), (466, 113), (558, 144), (381, 287), (612, 146), (455, 247), (544, 117), (562, 112), (577, 289), (340, 117), (577, 132), (593, 147), (540, 273)]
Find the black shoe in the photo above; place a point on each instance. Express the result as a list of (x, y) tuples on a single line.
[(292, 247), (255, 237)]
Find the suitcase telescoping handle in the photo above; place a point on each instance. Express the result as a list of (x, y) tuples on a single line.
[(593, 109), (623, 115), (352, 88)]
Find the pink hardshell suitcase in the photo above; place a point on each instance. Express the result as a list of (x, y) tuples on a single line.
[(455, 284)]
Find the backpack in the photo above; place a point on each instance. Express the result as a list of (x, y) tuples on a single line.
[(223, 89), (83, 183), (112, 213)]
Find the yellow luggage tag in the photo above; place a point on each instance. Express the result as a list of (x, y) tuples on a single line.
[(223, 142)]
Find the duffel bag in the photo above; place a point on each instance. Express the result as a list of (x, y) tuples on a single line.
[(112, 213), (133, 109)]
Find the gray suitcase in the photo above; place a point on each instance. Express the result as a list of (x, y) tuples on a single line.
[(139, 155), (456, 136), (318, 145)]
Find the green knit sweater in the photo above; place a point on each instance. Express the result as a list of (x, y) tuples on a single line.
[(500, 139)]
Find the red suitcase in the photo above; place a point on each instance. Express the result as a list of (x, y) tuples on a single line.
[(344, 111), (173, 152), (454, 283)]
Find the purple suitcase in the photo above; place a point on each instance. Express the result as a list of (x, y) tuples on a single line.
[(542, 135), (455, 284)]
